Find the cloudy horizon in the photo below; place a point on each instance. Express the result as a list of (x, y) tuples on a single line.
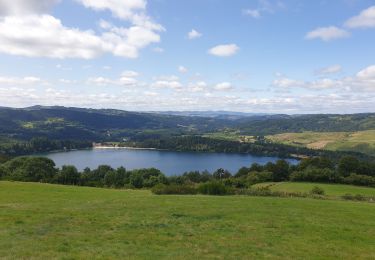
[(266, 56)]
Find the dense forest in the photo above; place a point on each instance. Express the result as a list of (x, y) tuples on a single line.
[(43, 129), (259, 147)]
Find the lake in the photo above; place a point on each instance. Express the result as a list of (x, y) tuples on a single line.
[(169, 162)]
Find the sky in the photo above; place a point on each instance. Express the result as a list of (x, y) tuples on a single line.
[(268, 56)]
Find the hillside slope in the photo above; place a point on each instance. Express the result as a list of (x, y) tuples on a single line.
[(51, 221)]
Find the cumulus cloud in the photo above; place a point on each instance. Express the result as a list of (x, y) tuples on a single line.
[(367, 73), (364, 80), (329, 70), (42, 35), (327, 33), (197, 86), (127, 79), (225, 50), (25, 7), (130, 74), (223, 86), (366, 19), (193, 34), (14, 81)]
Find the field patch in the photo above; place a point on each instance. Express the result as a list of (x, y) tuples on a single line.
[(360, 141)]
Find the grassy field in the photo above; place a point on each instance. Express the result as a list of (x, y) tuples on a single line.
[(49, 221), (361, 141), (334, 191)]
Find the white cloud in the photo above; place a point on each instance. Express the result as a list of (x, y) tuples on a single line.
[(123, 9), (364, 80), (223, 86), (366, 19), (193, 34), (329, 70), (25, 7), (167, 84), (26, 32), (129, 10), (182, 69), (150, 93), (107, 67), (14, 81), (167, 78), (255, 13), (264, 6), (197, 86), (367, 73), (327, 33), (224, 50), (126, 80), (130, 74)]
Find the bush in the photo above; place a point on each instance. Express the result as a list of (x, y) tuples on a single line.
[(213, 188), (267, 192), (259, 177), (317, 191), (312, 174), (362, 180), (173, 189), (357, 197)]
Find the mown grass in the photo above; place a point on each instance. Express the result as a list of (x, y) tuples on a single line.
[(360, 141), (331, 190), (50, 221)]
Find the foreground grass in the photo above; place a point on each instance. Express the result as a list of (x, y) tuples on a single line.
[(331, 190), (49, 221), (360, 141)]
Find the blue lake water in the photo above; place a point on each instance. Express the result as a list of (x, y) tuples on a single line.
[(169, 162)]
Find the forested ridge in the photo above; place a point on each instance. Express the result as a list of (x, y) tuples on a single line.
[(42, 129)]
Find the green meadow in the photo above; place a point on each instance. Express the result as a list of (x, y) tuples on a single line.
[(65, 222)]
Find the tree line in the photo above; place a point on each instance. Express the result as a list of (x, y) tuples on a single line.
[(41, 145), (348, 170), (260, 147)]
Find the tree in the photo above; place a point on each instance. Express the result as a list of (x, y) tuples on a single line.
[(33, 169), (136, 180), (348, 165), (280, 170), (243, 171), (221, 174), (68, 175)]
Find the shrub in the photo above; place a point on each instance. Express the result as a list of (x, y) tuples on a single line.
[(362, 180), (213, 188), (267, 192), (173, 189), (317, 191), (259, 177), (357, 197), (312, 174)]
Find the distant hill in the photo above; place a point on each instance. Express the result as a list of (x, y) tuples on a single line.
[(109, 124), (95, 124), (275, 124), (213, 114)]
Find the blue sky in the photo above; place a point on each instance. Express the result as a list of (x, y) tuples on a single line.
[(276, 56)]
